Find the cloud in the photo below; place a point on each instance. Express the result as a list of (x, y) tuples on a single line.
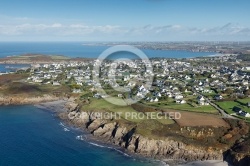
[(105, 32), (55, 29), (23, 26), (56, 25), (224, 30)]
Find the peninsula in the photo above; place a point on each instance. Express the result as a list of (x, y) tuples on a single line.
[(210, 93)]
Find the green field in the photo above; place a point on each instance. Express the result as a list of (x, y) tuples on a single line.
[(102, 105), (186, 107), (229, 105), (33, 57), (244, 100), (59, 57)]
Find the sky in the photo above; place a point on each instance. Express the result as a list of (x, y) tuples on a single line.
[(124, 20)]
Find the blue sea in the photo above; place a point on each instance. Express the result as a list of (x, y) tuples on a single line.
[(30, 136), (12, 67), (77, 49)]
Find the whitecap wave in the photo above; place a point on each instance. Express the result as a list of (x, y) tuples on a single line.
[(125, 154), (65, 129), (96, 145), (61, 124), (81, 137)]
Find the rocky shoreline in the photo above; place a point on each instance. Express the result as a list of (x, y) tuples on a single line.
[(21, 100), (167, 150), (114, 133), (119, 135)]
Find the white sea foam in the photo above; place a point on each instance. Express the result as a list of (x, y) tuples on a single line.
[(84, 138), (125, 154), (81, 137), (65, 129), (61, 124), (96, 145)]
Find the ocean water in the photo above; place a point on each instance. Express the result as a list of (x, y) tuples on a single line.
[(77, 49), (33, 137), (11, 67)]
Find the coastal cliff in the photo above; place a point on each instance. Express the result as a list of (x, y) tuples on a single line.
[(21, 100), (235, 151), (127, 137), (166, 147), (239, 154)]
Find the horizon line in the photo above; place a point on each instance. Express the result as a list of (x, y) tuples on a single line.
[(120, 41)]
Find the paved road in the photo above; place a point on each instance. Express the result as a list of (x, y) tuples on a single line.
[(222, 112)]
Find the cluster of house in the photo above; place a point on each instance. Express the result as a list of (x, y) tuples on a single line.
[(241, 112), (171, 77), (45, 77)]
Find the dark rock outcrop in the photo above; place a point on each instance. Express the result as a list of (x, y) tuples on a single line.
[(21, 100), (128, 138)]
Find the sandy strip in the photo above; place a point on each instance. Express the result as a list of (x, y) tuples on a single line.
[(55, 106)]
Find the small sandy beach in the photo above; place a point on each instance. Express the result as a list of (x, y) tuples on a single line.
[(54, 106)]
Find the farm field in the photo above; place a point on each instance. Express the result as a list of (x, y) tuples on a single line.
[(102, 105), (186, 107), (229, 105), (199, 119)]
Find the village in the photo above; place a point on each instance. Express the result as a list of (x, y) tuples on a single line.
[(208, 84)]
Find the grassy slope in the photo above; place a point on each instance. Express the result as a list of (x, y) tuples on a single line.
[(13, 84), (186, 107), (229, 105), (8, 78), (101, 104), (33, 57)]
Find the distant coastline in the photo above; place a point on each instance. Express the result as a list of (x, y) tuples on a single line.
[(28, 59), (77, 49)]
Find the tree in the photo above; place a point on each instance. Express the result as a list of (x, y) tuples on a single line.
[(247, 92), (228, 91)]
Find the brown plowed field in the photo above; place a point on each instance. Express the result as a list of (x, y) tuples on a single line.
[(199, 119)]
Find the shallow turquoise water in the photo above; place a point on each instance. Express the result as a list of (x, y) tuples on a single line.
[(30, 136)]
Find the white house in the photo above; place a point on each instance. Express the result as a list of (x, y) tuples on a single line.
[(177, 97), (202, 100), (170, 95), (79, 83), (158, 94), (55, 83), (187, 77), (76, 91), (156, 99), (218, 97), (120, 95), (181, 101), (244, 113)]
